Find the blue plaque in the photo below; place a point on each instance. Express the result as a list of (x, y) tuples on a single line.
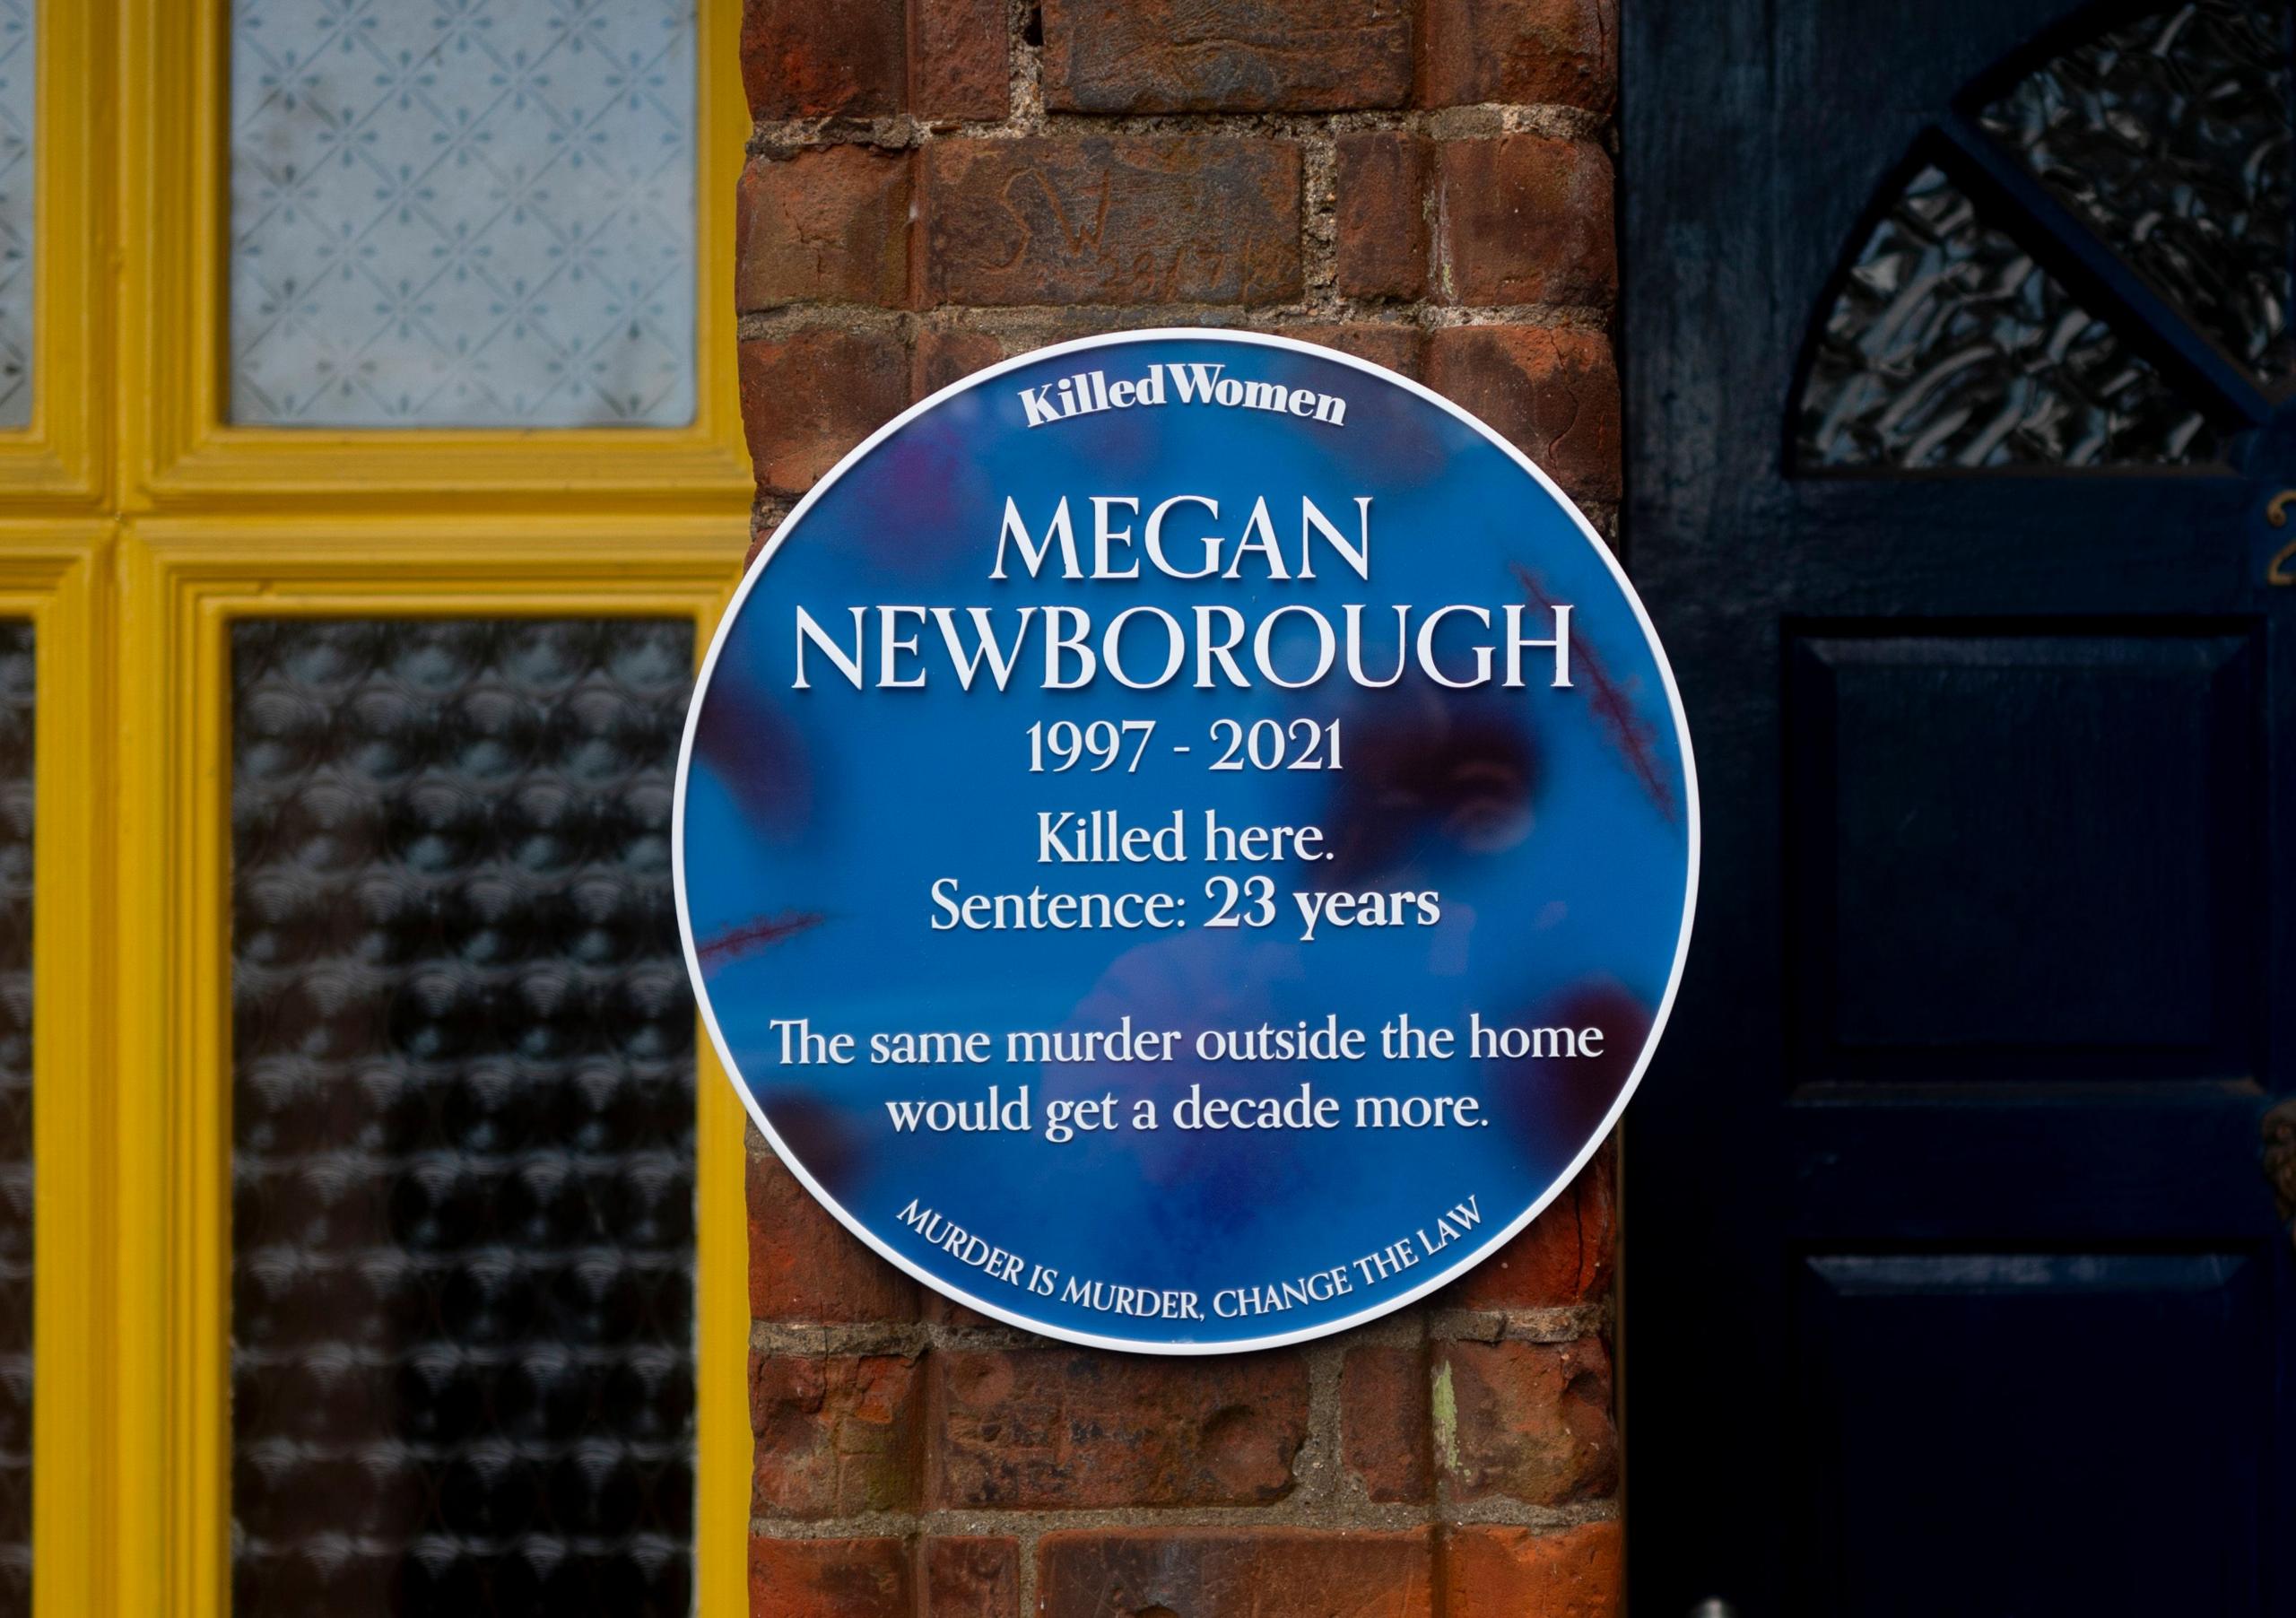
[(1186, 841)]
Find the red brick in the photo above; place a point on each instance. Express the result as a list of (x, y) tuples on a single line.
[(1531, 1420), (1112, 219), (829, 222), (1240, 1573), (1383, 1420), (1226, 55), (806, 1268), (1523, 218), (1064, 1427), (946, 354), (836, 1433), (1561, 1257), (1554, 394), (1382, 218), (828, 1578), (810, 58), (1562, 52), (972, 1577), (960, 60), (809, 397), (1399, 348), (1501, 1572)]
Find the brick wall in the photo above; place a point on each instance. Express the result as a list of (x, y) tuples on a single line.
[(938, 184)]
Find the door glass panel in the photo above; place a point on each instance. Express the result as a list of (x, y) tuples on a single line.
[(463, 1120), (463, 213), (2170, 135), (18, 87), (1948, 347), (15, 1118)]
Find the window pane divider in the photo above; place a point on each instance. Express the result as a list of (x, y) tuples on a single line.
[(52, 573)]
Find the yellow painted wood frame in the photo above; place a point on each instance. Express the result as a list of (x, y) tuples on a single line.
[(52, 574), (182, 584), (134, 525), (63, 459), (173, 99)]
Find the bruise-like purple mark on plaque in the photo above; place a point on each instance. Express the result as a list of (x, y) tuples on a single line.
[(734, 943), (912, 520), (1462, 771), (760, 756), (1561, 1098), (1633, 735), (1191, 984)]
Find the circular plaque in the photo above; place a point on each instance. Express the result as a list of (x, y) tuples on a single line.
[(1186, 841)]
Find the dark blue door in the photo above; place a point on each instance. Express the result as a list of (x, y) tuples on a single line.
[(1959, 352)]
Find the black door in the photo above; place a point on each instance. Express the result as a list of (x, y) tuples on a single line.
[(1959, 349)]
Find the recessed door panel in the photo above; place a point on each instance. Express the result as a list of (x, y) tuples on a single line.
[(2025, 852), (1943, 1474)]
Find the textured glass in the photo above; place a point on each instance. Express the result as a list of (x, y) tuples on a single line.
[(1949, 347), (463, 1121), (19, 90), (2170, 136), (15, 1118), (463, 213)]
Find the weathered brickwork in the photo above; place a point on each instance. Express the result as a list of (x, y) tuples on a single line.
[(1068, 1427), (1508, 1572), (1115, 218), (934, 186), (1267, 55), (963, 180)]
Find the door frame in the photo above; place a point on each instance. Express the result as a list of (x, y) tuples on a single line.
[(1720, 292)]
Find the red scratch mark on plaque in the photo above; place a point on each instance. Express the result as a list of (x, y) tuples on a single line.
[(734, 943), (1629, 731)]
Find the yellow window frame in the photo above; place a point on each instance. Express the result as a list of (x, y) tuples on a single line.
[(63, 459), (136, 524), (53, 574), (174, 100), (183, 582)]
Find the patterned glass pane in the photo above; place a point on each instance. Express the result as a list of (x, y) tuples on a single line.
[(1949, 347), (15, 1118), (19, 86), (463, 1121), (463, 213), (2170, 136)]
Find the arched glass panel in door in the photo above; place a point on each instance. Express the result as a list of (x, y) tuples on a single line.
[(2089, 264)]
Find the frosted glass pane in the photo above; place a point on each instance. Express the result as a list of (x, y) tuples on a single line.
[(462, 213), (462, 1121), (18, 82)]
